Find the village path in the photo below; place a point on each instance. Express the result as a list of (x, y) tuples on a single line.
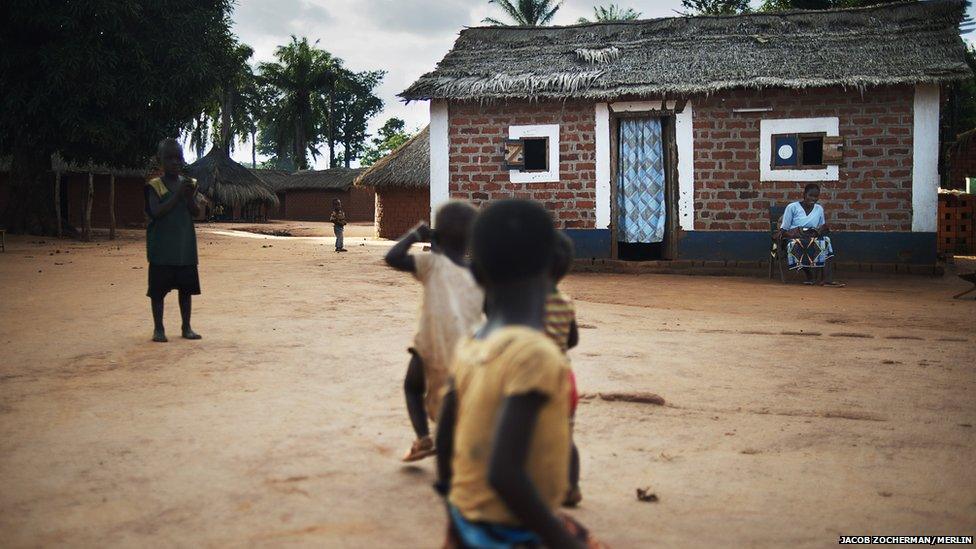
[(284, 425)]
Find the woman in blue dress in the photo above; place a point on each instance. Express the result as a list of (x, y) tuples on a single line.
[(807, 245)]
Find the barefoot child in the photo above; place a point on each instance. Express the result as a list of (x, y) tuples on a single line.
[(171, 240), (450, 311), (560, 324), (503, 436), (338, 219)]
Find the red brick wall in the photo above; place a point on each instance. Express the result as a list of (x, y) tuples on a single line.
[(129, 200), (874, 191), (398, 210), (477, 134), (314, 205)]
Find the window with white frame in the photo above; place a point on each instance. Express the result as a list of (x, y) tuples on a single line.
[(800, 149), (532, 153)]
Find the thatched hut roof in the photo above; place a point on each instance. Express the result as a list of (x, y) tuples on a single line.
[(407, 166), (906, 43), (229, 183), (332, 179)]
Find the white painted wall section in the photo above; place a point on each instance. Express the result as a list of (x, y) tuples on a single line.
[(550, 131), (440, 175), (685, 137), (925, 162), (602, 114), (830, 126), (684, 134)]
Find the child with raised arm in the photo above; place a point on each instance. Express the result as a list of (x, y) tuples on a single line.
[(450, 311), (503, 436), (560, 323)]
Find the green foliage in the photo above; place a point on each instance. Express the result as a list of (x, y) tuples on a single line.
[(527, 13), (309, 100), (388, 139), (100, 81), (292, 124), (715, 7), (107, 80), (611, 12), (355, 104)]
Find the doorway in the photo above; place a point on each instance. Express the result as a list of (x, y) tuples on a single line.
[(643, 202)]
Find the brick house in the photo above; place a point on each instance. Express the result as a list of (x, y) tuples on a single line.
[(307, 195), (671, 138), (401, 181)]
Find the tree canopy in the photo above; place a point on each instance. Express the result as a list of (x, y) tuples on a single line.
[(103, 82), (528, 13), (611, 12), (388, 138)]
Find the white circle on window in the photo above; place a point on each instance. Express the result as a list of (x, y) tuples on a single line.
[(785, 152)]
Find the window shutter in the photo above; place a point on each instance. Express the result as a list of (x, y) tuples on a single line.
[(514, 154), (833, 150)]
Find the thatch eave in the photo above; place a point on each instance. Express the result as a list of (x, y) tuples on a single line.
[(895, 44), (227, 182), (406, 167)]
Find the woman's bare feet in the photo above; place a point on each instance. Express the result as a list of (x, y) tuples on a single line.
[(421, 448)]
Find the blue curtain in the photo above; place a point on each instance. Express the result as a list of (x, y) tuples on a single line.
[(640, 182)]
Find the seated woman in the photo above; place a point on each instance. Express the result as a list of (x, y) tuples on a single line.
[(808, 246)]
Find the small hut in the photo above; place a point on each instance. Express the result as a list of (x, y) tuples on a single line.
[(307, 195), (234, 191), (401, 180)]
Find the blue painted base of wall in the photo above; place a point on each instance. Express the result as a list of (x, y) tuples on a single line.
[(590, 243), (852, 247)]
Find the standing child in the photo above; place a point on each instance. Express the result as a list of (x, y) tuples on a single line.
[(171, 240), (560, 323), (450, 311), (503, 436), (338, 219)]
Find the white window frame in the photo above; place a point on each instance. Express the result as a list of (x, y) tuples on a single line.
[(829, 126), (548, 131)]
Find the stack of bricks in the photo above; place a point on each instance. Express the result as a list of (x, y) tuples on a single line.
[(398, 209), (874, 191), (477, 135), (956, 233)]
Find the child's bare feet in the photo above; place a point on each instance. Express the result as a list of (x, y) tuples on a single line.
[(159, 336), (188, 333), (573, 497), (421, 448)]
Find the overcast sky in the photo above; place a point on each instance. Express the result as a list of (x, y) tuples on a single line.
[(404, 37)]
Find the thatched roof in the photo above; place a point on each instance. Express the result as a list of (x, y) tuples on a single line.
[(227, 182), (905, 43), (332, 179), (407, 166)]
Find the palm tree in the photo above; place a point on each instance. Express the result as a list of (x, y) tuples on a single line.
[(301, 73), (611, 12), (526, 13)]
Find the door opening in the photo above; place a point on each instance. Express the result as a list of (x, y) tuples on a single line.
[(643, 215)]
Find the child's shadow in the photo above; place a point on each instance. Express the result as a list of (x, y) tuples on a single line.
[(416, 472)]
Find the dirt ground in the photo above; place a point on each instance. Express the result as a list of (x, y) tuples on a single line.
[(793, 414)]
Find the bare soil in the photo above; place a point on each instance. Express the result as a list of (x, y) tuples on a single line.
[(791, 414)]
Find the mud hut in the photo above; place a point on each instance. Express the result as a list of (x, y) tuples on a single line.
[(307, 195), (671, 138), (234, 192), (401, 180)]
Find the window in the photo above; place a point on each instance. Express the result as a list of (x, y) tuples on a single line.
[(532, 154), (798, 151), (536, 154)]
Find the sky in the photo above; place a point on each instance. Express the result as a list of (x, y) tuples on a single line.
[(404, 37)]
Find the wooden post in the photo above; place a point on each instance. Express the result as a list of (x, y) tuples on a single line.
[(111, 207), (57, 199), (89, 198)]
